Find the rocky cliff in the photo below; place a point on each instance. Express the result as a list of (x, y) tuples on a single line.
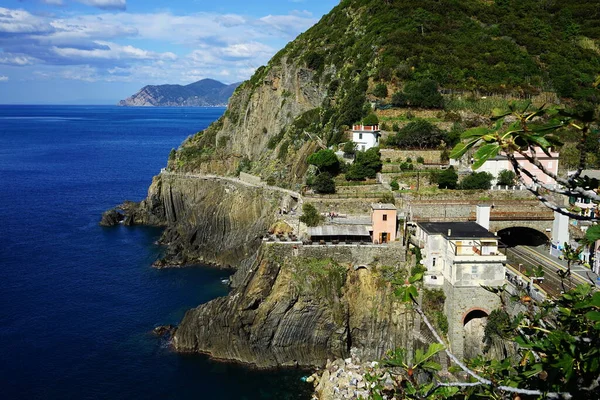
[(289, 310), (206, 220), (204, 93)]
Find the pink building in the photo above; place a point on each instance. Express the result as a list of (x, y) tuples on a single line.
[(495, 165), (383, 222)]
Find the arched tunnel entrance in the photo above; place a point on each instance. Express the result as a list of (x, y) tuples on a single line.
[(522, 236), (474, 322)]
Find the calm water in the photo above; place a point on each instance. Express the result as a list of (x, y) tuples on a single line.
[(77, 301)]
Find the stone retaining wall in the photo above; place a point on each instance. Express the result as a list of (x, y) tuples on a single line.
[(430, 156), (252, 179)]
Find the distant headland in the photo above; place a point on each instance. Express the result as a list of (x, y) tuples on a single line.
[(204, 93)]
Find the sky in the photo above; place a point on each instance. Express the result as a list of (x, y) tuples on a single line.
[(101, 51)]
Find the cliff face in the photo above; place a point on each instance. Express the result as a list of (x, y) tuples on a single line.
[(206, 220), (298, 311)]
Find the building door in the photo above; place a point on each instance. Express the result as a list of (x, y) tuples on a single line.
[(383, 237)]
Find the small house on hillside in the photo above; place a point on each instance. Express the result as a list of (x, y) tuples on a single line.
[(365, 136), (384, 222)]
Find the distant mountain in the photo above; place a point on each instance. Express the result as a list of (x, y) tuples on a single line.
[(204, 93)]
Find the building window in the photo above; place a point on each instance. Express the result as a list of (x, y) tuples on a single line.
[(385, 217), (433, 263), (360, 136), (474, 269)]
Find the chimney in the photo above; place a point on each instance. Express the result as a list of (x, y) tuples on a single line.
[(483, 215)]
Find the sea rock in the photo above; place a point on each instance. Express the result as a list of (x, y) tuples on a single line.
[(165, 331), (111, 218)]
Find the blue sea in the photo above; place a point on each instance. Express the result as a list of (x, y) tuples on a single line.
[(78, 301)]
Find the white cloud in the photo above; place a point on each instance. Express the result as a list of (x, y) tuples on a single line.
[(20, 21), (3, 78), (54, 2), (107, 50), (106, 4), (16, 59), (124, 47)]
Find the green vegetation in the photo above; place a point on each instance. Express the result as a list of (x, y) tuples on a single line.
[(366, 165), (380, 91), (325, 160), (433, 306), (349, 148), (477, 181), (324, 183), (370, 119), (310, 216), (507, 178), (418, 134), (394, 185), (447, 179)]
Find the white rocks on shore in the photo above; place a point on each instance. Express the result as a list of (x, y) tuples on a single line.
[(344, 379)]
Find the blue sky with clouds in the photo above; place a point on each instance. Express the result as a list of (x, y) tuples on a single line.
[(100, 51)]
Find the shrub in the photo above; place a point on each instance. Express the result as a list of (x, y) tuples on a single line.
[(477, 180), (424, 94), (325, 160), (324, 183), (370, 119), (366, 165), (387, 198), (380, 91), (420, 160), (447, 179), (310, 216), (394, 185), (349, 148), (418, 134), (408, 160), (406, 166), (506, 178), (399, 99)]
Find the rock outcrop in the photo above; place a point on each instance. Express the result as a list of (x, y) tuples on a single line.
[(206, 220), (295, 311)]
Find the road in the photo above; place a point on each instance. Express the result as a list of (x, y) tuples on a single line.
[(530, 257)]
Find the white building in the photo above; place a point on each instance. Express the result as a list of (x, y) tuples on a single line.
[(461, 254), (365, 136), (499, 163)]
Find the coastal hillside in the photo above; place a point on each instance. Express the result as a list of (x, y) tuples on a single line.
[(204, 93), (367, 52)]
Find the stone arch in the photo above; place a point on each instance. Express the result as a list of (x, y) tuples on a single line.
[(522, 236), (473, 313), (362, 266)]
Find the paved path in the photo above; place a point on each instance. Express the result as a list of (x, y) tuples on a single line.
[(295, 195)]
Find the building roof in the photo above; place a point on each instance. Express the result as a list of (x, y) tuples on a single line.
[(339, 230), (383, 206), (456, 230)]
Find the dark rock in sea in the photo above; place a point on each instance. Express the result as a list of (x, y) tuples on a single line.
[(111, 218), (166, 331)]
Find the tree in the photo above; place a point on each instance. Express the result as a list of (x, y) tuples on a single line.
[(394, 185), (325, 160), (424, 94), (324, 183), (506, 177), (447, 179), (349, 148), (380, 91), (366, 165), (477, 181), (536, 129), (310, 216), (418, 134), (370, 119), (399, 99)]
